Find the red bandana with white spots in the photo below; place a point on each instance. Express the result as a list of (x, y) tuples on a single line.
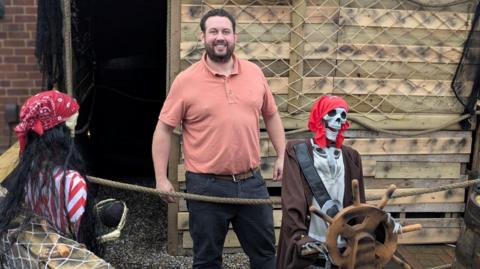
[(44, 111)]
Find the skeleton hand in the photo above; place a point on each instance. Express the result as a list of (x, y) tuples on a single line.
[(314, 248)]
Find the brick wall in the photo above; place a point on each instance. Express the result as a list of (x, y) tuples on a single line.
[(19, 75)]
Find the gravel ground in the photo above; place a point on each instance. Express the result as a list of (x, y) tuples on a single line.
[(143, 243)]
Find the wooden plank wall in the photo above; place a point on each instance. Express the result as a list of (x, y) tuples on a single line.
[(382, 56), (391, 60), (409, 163)]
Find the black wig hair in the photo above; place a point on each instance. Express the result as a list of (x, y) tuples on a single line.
[(49, 42), (55, 148)]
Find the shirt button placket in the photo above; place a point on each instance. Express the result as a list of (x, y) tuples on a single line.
[(228, 91)]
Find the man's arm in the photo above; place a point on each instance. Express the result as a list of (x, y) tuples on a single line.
[(162, 138), (277, 135)]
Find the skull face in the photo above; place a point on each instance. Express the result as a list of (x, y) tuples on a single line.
[(334, 120), (71, 123)]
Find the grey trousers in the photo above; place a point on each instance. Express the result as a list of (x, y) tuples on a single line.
[(209, 222)]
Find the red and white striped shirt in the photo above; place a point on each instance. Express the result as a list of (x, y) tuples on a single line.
[(44, 203)]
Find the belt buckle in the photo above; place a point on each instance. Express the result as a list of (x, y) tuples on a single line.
[(234, 178)]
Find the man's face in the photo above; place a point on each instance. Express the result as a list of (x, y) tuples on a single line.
[(219, 39)]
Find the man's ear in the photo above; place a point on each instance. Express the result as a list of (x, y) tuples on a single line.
[(202, 36)]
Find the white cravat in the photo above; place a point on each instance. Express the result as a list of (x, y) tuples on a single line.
[(329, 165)]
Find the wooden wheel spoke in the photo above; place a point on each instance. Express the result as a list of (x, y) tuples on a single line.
[(355, 192), (347, 231), (320, 214), (411, 228), (386, 197), (399, 261), (383, 252), (345, 257), (370, 224), (380, 249)]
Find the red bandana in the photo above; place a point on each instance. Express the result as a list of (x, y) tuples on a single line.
[(44, 111), (316, 124)]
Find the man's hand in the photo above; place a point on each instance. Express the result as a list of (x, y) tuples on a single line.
[(275, 130), (165, 185), (278, 169)]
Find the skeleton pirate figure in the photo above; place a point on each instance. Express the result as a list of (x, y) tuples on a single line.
[(48, 185), (318, 172)]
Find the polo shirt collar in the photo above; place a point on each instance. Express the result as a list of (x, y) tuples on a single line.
[(236, 65)]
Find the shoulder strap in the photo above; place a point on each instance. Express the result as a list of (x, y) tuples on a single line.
[(311, 175)]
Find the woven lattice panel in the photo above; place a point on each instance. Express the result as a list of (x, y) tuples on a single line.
[(385, 57)]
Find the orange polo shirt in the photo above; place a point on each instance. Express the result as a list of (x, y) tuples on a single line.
[(219, 116)]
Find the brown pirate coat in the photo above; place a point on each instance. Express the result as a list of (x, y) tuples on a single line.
[(297, 198)]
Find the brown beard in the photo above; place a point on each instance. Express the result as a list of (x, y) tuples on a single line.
[(218, 58)]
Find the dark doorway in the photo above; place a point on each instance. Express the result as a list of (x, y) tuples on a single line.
[(129, 48)]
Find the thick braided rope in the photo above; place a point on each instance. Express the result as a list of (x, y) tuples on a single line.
[(427, 190), (446, 266), (191, 196), (242, 201), (427, 131), (360, 121)]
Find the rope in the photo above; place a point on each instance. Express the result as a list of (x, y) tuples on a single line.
[(363, 123), (139, 99), (431, 130), (67, 43), (427, 190), (397, 229), (445, 266), (272, 201), (190, 196), (448, 4)]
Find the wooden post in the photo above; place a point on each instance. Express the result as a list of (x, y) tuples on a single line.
[(297, 50), (173, 34), (172, 236), (173, 68), (67, 46), (475, 168)]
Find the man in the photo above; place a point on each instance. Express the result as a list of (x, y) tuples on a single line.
[(218, 102), (318, 172)]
